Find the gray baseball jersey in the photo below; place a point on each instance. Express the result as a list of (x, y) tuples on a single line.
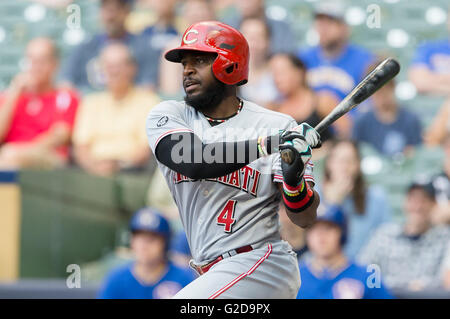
[(239, 209)]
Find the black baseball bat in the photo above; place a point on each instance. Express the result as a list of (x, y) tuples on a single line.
[(383, 73)]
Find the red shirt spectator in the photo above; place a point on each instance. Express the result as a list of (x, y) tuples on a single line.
[(36, 114), (36, 119)]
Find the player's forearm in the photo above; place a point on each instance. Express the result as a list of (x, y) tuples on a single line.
[(194, 159), (307, 217)]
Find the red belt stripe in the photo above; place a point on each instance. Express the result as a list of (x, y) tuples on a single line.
[(249, 272)]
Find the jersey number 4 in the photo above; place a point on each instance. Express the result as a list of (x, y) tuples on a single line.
[(226, 216)]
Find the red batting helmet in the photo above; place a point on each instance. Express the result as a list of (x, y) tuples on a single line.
[(231, 64)]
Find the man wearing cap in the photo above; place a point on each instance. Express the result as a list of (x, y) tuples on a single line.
[(412, 254), (325, 270), (335, 66), (151, 275)]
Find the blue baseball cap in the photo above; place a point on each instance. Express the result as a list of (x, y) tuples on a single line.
[(333, 214), (150, 220)]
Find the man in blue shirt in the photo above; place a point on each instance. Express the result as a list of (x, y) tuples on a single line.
[(82, 68), (389, 128), (334, 65), (151, 275), (326, 273), (430, 69)]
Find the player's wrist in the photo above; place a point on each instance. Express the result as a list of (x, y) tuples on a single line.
[(268, 145), (262, 146), (297, 199)]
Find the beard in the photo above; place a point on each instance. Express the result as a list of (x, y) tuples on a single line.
[(209, 99)]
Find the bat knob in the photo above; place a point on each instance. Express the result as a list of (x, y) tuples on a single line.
[(287, 156)]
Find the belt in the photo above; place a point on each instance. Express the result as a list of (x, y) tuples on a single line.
[(203, 269)]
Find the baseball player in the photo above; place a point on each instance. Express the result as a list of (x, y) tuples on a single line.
[(220, 157)]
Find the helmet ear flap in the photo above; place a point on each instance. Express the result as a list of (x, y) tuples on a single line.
[(231, 68), (225, 70)]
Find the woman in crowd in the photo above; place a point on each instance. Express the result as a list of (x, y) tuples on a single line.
[(343, 187), (297, 99)]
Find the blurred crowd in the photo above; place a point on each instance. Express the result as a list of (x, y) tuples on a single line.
[(88, 109)]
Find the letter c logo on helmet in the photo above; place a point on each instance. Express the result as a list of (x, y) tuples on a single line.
[(193, 40), (231, 63)]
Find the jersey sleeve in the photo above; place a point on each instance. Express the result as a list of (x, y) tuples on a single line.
[(164, 119), (276, 164)]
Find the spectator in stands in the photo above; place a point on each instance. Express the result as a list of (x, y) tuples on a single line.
[(343, 187), (328, 273), (109, 134), (334, 65), (297, 98), (430, 69), (439, 127), (282, 37), (156, 36), (82, 68), (260, 87), (391, 129), (151, 275), (441, 183), (169, 79), (36, 119), (411, 254)]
